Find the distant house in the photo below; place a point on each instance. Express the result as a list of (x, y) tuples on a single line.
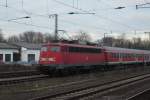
[(8, 53), (29, 52)]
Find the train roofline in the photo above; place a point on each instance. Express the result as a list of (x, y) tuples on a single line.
[(106, 48), (67, 44)]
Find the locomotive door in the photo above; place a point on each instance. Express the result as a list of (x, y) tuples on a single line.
[(65, 55), (136, 58)]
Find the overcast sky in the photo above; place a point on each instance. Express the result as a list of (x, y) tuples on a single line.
[(105, 20)]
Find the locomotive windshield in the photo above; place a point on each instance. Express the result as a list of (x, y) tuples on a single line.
[(44, 49), (55, 49), (52, 48)]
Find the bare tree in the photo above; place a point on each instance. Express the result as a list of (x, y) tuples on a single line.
[(39, 37), (1, 36), (82, 36), (48, 37), (108, 41), (28, 36), (13, 38), (32, 37)]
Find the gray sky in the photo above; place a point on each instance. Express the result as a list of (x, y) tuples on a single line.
[(106, 19)]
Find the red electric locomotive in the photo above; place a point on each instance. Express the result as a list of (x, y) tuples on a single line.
[(60, 55), (55, 56)]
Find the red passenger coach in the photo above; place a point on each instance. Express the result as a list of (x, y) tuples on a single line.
[(60, 55), (117, 55)]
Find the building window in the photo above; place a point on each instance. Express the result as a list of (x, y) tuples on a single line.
[(31, 57), (8, 57), (1, 57)]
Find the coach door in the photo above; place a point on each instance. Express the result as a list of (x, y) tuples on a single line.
[(120, 57), (136, 57)]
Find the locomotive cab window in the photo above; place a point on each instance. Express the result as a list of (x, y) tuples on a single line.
[(55, 49)]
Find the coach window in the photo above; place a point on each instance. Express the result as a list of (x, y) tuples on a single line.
[(124, 55), (117, 55), (132, 55), (112, 55), (137, 56), (128, 55)]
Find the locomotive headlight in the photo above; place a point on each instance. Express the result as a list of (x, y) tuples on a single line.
[(48, 59), (43, 59), (51, 59)]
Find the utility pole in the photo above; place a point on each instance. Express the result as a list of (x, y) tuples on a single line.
[(56, 21), (104, 41), (6, 4), (56, 25), (145, 5), (148, 34)]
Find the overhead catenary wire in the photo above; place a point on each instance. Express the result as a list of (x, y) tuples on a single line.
[(46, 16), (29, 13), (76, 7), (99, 16), (27, 24)]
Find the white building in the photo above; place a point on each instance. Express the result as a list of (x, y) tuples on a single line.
[(28, 52), (8, 52)]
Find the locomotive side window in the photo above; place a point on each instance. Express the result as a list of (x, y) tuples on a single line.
[(55, 49), (84, 50)]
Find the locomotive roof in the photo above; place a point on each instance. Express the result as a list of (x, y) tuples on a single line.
[(118, 49), (75, 45)]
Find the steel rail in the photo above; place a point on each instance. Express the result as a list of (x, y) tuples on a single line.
[(83, 92), (18, 73), (8, 81), (131, 97)]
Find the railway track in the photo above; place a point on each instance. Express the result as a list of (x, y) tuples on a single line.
[(19, 73), (7, 78), (92, 89), (138, 94), (12, 80)]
